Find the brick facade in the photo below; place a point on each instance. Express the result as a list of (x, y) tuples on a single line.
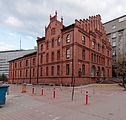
[(77, 54)]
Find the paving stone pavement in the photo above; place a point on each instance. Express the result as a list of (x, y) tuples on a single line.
[(105, 104)]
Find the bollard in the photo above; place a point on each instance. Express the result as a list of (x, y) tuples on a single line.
[(42, 92), (81, 89), (54, 93), (61, 87), (86, 97), (33, 90)]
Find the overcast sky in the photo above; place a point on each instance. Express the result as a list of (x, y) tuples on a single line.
[(26, 19)]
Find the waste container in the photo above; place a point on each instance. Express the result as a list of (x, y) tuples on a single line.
[(3, 90), (24, 87)]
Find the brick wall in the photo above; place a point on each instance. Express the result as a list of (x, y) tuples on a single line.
[(83, 46)]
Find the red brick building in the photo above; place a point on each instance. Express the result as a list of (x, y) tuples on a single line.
[(76, 54)]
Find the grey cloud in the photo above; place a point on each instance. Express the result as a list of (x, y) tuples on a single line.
[(34, 14)]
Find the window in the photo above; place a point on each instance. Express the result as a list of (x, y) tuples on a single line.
[(47, 45), (41, 59), (15, 65), (41, 47), (83, 40), (98, 47), (113, 43), (58, 55), (58, 41), (15, 74), (46, 71), (11, 66), (33, 72), (41, 71), (93, 44), (103, 48), (47, 55), (92, 71), (33, 61), (113, 27), (52, 56), (68, 38), (52, 31), (68, 53), (67, 69), (83, 54), (108, 62), (20, 63), (53, 43), (83, 69), (109, 39), (26, 73), (114, 53), (108, 52), (92, 57), (114, 35), (20, 73), (108, 72), (58, 70), (99, 59), (26, 62), (52, 70)]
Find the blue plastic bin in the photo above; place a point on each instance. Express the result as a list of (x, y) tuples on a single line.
[(3, 90)]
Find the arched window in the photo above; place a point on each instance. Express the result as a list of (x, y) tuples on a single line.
[(83, 39), (68, 38), (58, 41)]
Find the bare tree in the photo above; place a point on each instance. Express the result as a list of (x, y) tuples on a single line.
[(121, 71)]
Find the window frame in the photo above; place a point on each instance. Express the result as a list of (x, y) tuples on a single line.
[(58, 41), (58, 55), (67, 69), (58, 69), (52, 57), (68, 38), (83, 40), (68, 53), (53, 43)]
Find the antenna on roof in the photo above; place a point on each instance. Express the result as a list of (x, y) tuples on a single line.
[(20, 42)]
